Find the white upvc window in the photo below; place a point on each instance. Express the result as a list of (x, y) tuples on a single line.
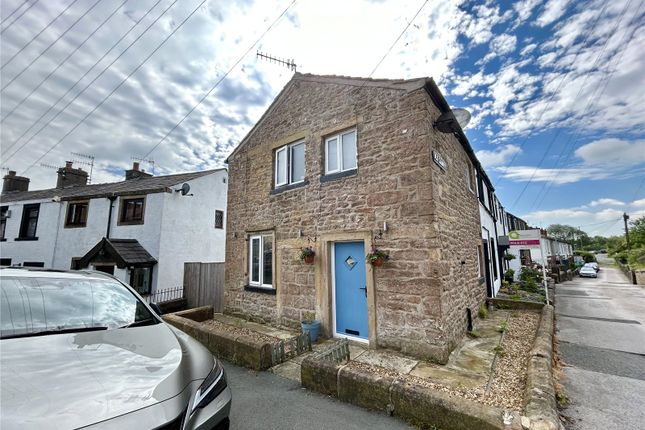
[(261, 260), (340, 152), (290, 164), (469, 177)]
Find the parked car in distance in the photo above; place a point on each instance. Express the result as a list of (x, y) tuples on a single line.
[(588, 272), (81, 349), (593, 265)]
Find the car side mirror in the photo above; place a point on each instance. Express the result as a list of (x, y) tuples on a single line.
[(155, 307)]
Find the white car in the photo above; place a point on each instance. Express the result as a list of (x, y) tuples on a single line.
[(593, 265), (588, 272)]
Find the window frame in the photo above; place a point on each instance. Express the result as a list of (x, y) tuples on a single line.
[(260, 282), (122, 208), (469, 177), (24, 220), (221, 225), (69, 224), (4, 211), (288, 149), (133, 278), (339, 151)]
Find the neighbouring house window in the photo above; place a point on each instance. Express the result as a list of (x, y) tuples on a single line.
[(261, 260), (219, 219), (340, 152), (4, 210), (492, 255), (29, 221), (5, 261), (480, 261), (132, 210), (141, 279), (76, 214), (525, 257), (33, 264), (470, 177), (290, 164)]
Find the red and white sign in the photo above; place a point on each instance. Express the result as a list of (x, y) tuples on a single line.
[(524, 238)]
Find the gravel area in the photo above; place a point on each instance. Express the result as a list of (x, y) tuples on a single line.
[(241, 331), (509, 379)]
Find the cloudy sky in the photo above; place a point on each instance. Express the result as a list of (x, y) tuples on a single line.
[(555, 86)]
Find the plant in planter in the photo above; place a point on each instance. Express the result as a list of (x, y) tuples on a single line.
[(307, 255), (377, 257), (311, 325), (509, 257)]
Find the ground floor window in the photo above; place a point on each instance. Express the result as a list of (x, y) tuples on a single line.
[(525, 257), (141, 279), (33, 264), (261, 260)]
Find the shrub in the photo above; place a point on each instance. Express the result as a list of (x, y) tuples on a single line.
[(483, 312), (509, 274)]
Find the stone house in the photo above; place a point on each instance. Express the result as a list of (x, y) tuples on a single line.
[(345, 165)]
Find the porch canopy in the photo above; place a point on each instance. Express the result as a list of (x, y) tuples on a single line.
[(125, 253)]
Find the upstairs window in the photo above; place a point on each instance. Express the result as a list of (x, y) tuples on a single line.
[(4, 211), (290, 164), (340, 152), (29, 221), (470, 177), (261, 261), (76, 214), (132, 210), (219, 219)]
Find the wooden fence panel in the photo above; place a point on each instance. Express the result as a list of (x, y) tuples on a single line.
[(204, 285)]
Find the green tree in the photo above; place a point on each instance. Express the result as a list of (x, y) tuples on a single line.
[(568, 233)]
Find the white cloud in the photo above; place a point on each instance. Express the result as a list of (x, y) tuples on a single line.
[(612, 152), (606, 202), (525, 8), (557, 176), (553, 10), (497, 157), (603, 223), (638, 203)]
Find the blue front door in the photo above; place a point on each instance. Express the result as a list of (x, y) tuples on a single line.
[(350, 289)]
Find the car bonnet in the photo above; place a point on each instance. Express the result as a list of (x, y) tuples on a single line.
[(74, 380)]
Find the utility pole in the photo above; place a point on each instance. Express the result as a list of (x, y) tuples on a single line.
[(625, 218)]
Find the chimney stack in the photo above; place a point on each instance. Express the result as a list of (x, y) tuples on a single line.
[(13, 183), (135, 173), (68, 176)]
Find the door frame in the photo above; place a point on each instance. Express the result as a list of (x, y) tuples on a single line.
[(325, 281), (332, 260)]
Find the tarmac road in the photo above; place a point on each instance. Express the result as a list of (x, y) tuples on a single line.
[(265, 401), (601, 331)]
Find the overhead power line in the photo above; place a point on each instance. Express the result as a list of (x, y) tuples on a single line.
[(552, 97), (219, 81), (181, 24), (84, 75), (36, 36), (50, 45), (550, 145), (18, 17), (63, 61), (596, 95)]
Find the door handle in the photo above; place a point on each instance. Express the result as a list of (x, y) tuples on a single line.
[(364, 289)]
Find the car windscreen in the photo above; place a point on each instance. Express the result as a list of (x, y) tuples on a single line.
[(36, 306)]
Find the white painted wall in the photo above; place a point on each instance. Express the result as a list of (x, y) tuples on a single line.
[(488, 233), (176, 229), (188, 228)]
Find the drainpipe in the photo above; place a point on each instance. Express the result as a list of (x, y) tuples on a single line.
[(111, 198)]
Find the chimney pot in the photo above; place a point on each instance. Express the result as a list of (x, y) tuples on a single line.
[(12, 173), (14, 183), (135, 166), (68, 164), (71, 177)]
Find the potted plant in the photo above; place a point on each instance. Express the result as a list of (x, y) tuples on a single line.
[(310, 325), (509, 257), (377, 257), (307, 255)]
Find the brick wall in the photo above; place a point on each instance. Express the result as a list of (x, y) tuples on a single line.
[(433, 219)]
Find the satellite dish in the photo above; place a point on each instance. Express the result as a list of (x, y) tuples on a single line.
[(184, 190), (452, 121)]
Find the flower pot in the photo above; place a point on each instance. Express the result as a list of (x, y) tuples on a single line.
[(312, 328), (309, 259), (378, 262)]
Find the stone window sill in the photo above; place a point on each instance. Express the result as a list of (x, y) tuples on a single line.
[(18, 239), (283, 188), (335, 176), (262, 290)]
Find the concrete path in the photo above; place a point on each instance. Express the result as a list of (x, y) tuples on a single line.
[(601, 331), (264, 401)]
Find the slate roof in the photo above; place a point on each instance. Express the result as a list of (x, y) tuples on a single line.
[(150, 185), (126, 253)]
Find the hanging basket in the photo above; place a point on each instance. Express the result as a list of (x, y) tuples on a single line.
[(309, 259), (378, 262)]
